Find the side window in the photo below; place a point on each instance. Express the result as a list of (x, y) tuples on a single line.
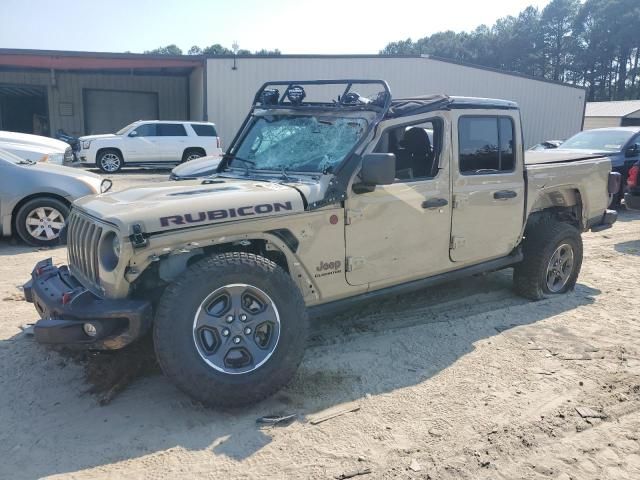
[(147, 130), (204, 130), (416, 148), (171, 130), (486, 145)]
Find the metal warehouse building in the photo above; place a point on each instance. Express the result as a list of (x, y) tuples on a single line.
[(87, 93), (549, 110), (623, 113)]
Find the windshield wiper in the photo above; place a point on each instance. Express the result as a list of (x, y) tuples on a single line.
[(283, 171), (240, 159)]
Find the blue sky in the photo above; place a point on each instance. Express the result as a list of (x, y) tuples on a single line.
[(293, 26)]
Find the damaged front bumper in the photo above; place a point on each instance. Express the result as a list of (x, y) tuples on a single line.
[(74, 316)]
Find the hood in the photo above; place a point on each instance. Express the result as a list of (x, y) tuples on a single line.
[(33, 152), (28, 139), (196, 168), (96, 137), (173, 205)]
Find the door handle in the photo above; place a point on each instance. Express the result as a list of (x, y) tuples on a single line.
[(435, 203), (505, 194)]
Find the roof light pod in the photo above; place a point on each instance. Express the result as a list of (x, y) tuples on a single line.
[(296, 94)]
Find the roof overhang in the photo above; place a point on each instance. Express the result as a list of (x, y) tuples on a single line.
[(78, 61)]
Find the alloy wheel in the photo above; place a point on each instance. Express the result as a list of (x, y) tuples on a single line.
[(44, 223), (110, 162), (560, 268), (236, 328)]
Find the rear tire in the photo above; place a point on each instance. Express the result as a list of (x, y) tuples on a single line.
[(552, 260), (110, 161), (39, 221), (192, 154), (231, 330)]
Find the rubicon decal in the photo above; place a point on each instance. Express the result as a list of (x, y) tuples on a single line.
[(212, 215)]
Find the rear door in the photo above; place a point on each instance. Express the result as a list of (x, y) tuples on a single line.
[(171, 142), (488, 186)]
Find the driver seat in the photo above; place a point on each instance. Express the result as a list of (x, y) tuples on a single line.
[(417, 147)]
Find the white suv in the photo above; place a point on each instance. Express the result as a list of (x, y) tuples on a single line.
[(149, 143)]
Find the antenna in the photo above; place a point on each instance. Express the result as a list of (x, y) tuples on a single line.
[(235, 47)]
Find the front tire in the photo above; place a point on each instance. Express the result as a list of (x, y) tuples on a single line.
[(40, 221), (552, 260), (110, 161), (231, 330)]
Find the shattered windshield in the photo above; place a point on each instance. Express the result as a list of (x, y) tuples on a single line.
[(309, 143)]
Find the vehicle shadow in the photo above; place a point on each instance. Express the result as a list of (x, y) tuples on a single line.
[(375, 349), (11, 247), (625, 215), (631, 248)]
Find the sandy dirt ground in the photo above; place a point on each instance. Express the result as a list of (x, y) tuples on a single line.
[(462, 381)]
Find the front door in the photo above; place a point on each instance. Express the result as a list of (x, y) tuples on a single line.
[(400, 232), (141, 146), (488, 187)]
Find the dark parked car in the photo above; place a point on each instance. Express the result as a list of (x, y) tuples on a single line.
[(620, 144), (632, 197)]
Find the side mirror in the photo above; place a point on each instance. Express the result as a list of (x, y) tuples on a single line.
[(378, 169), (632, 151), (133, 134)]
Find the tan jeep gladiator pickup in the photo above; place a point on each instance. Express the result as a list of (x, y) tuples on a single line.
[(318, 203)]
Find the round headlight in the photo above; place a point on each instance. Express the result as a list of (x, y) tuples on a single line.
[(110, 251)]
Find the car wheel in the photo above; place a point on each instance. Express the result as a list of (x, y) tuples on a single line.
[(552, 260), (231, 330), (192, 154), (110, 161), (40, 221)]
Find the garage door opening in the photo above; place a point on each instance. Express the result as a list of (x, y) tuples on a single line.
[(24, 109), (107, 111)]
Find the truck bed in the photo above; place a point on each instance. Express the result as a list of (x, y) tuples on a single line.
[(562, 178), (536, 157)]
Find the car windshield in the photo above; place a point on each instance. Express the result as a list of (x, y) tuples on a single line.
[(309, 143), (124, 130), (607, 140)]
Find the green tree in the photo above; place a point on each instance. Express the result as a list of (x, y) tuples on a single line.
[(168, 50), (595, 44)]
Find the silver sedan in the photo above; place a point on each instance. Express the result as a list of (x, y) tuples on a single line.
[(35, 198)]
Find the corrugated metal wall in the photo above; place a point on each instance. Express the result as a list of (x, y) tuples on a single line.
[(65, 88), (600, 122), (549, 111)]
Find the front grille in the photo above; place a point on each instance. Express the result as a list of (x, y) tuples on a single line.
[(68, 154), (83, 239)]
